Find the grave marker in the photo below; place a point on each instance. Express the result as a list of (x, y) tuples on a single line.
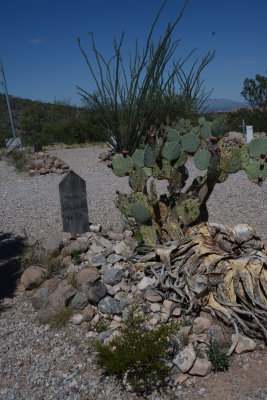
[(73, 201)]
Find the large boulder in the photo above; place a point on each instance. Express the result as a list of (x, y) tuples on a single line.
[(33, 276)]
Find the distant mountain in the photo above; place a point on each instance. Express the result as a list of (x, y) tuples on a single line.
[(223, 105)]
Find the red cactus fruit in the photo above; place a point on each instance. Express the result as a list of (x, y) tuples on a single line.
[(262, 165), (220, 112), (213, 139), (228, 121), (117, 192), (262, 156), (109, 165), (216, 149), (266, 158), (127, 173), (153, 134), (260, 180)]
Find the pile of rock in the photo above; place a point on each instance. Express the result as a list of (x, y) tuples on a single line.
[(102, 276), (43, 163)]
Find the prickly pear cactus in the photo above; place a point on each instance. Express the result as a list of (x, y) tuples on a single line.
[(167, 217)]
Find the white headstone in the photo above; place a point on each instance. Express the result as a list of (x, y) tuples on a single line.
[(13, 143), (249, 130)]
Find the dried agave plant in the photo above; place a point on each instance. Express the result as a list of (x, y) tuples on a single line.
[(218, 269)]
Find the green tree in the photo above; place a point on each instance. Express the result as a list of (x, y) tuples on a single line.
[(255, 92)]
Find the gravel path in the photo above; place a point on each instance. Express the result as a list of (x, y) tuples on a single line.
[(32, 203)]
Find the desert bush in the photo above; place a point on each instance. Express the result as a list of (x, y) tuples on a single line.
[(256, 118), (61, 317), (218, 358), (20, 159), (138, 352), (128, 106)]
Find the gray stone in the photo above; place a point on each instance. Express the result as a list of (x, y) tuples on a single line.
[(113, 258), (123, 250), (88, 313), (80, 247), (104, 242), (96, 249), (201, 324), (131, 243), (73, 200), (145, 283), (87, 275), (76, 319), (79, 301), (59, 298), (96, 291), (40, 297), (112, 276), (114, 236), (51, 284), (98, 260), (52, 244), (244, 344), (34, 275), (185, 358), (105, 335), (201, 367), (152, 296), (109, 305)]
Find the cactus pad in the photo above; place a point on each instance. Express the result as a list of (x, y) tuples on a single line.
[(218, 127), (202, 159), (189, 142), (254, 171), (121, 165), (149, 156), (140, 212), (205, 130), (137, 180), (257, 146), (149, 234), (171, 151), (173, 136), (188, 211), (201, 120), (138, 158)]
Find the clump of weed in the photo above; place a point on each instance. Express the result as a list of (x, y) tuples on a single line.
[(61, 317), (52, 263), (72, 280), (218, 359), (100, 326), (137, 352), (20, 159), (76, 258)]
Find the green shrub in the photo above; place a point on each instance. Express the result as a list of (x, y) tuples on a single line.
[(137, 352), (61, 317), (256, 118), (20, 159), (218, 359)]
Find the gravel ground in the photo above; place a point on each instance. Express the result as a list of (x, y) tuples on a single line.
[(38, 363), (32, 203)]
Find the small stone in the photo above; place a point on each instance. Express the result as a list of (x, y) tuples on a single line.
[(244, 344), (80, 247), (66, 261), (96, 291), (59, 297), (122, 249), (98, 260), (112, 276), (201, 324), (51, 284), (152, 296), (177, 312), (185, 359), (131, 243), (96, 249), (40, 297), (167, 305), (145, 283), (109, 305), (88, 313), (105, 242), (180, 379), (155, 307), (95, 228), (110, 290), (113, 258), (104, 335), (201, 367), (52, 244), (34, 275), (79, 301), (87, 276), (153, 321), (114, 236), (76, 319)]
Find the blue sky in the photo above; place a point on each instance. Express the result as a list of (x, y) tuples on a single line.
[(38, 41)]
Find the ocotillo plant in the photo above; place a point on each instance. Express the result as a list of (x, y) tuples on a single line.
[(167, 217)]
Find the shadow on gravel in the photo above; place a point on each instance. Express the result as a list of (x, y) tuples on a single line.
[(11, 246)]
